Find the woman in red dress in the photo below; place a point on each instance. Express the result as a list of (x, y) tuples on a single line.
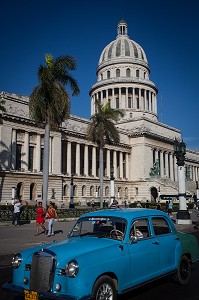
[(40, 218)]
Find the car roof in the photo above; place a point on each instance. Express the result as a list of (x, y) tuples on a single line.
[(127, 213)]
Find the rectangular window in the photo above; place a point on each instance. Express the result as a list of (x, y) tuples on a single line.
[(129, 102), (31, 158), (117, 104), (18, 157), (42, 159)]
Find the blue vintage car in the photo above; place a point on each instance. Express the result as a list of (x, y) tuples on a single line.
[(107, 253)]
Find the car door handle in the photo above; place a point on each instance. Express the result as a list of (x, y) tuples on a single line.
[(155, 243)]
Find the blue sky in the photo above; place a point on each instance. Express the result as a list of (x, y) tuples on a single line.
[(167, 30)]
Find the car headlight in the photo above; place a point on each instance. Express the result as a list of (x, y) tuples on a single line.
[(16, 261), (72, 268)]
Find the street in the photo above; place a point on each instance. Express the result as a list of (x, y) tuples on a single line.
[(164, 289)]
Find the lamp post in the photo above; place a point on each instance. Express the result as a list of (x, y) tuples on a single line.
[(112, 188), (183, 216), (71, 204)]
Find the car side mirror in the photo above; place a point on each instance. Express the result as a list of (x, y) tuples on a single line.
[(134, 239)]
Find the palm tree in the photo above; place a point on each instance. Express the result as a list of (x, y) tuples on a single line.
[(50, 102), (102, 130)]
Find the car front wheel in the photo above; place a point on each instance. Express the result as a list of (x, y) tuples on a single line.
[(104, 289), (183, 274)]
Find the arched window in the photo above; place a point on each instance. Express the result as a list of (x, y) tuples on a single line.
[(126, 192), (108, 74), (106, 191), (66, 190), (92, 191), (75, 191), (83, 190), (117, 72), (20, 190), (128, 72), (137, 73), (32, 191), (101, 76)]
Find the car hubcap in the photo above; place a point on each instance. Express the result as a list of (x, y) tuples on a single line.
[(105, 292), (184, 270)]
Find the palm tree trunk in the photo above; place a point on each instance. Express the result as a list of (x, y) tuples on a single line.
[(101, 158), (46, 163)]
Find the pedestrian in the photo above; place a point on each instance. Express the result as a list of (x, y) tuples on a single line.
[(147, 205), (104, 204), (92, 204), (158, 206), (40, 218), (114, 204), (139, 205), (167, 207), (51, 215), (16, 212), (170, 208)]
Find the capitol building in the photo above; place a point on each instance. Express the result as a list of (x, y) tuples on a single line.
[(144, 162)]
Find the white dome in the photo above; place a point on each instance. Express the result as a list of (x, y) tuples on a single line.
[(123, 49)]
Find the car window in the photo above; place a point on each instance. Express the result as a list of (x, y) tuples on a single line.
[(111, 227), (160, 226), (140, 229)]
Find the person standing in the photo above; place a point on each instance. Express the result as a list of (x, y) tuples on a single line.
[(51, 215), (170, 208), (40, 218), (16, 212), (114, 204), (158, 206)]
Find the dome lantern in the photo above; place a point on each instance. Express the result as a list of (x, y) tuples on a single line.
[(122, 28)]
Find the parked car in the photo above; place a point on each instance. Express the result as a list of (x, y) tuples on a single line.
[(108, 252)]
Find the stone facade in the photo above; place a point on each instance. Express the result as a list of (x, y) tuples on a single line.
[(144, 162)]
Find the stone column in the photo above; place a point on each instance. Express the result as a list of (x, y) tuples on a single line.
[(50, 155), (171, 167), (69, 158), (38, 153), (78, 159), (86, 160), (26, 151), (161, 165), (166, 165), (14, 147), (115, 163), (121, 165), (127, 166), (94, 161), (108, 162)]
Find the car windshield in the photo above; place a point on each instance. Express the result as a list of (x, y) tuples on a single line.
[(108, 227)]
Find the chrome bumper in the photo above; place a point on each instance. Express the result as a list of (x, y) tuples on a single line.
[(19, 290)]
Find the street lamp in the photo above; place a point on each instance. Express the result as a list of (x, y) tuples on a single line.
[(183, 216), (71, 204), (112, 188)]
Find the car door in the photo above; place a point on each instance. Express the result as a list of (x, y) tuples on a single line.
[(143, 251), (168, 243)]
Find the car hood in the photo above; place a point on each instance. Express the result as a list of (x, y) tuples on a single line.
[(76, 246)]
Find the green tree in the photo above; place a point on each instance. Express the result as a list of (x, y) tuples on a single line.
[(101, 131), (50, 102)]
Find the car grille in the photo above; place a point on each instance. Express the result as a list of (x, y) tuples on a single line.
[(42, 271)]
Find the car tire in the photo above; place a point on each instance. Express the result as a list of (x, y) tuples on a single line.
[(183, 273), (104, 288)]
